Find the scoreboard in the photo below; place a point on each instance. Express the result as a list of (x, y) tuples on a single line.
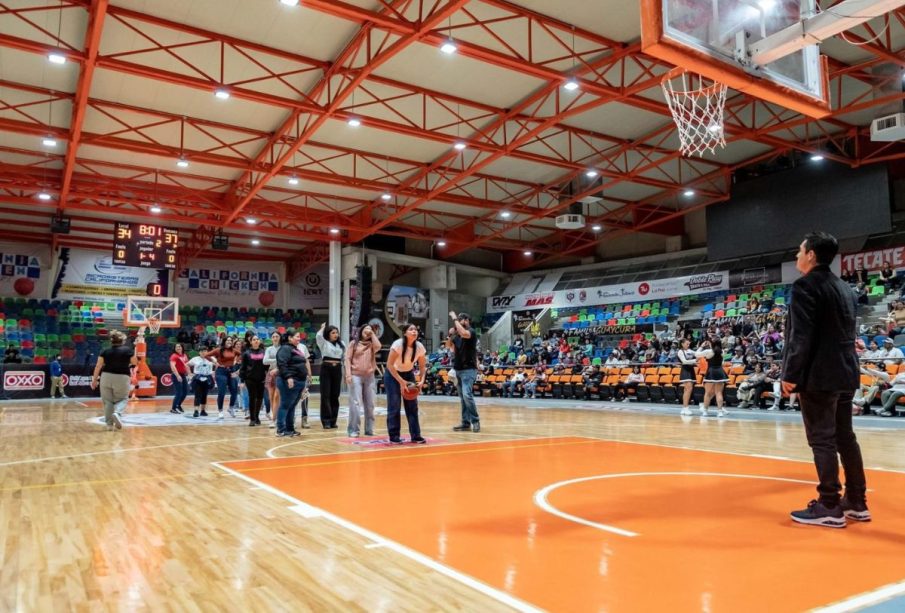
[(144, 245)]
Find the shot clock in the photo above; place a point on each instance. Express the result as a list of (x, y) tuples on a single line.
[(145, 245)]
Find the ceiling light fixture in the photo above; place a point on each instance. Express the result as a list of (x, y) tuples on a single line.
[(441, 243), (460, 145), (386, 196), (334, 230), (528, 254), (289, 2), (156, 209), (182, 163), (354, 122), (597, 227), (449, 46), (44, 196), (505, 214), (251, 221), (816, 157), (688, 193), (572, 84), (255, 242), (222, 94), (49, 142), (56, 58), (591, 173), (293, 180)]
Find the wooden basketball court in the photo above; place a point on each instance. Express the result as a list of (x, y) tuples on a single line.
[(555, 505)]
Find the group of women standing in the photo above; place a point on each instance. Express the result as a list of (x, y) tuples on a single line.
[(277, 377)]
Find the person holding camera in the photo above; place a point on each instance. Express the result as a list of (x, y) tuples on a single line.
[(466, 364), (361, 363)]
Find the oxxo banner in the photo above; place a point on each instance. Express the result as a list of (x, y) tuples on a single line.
[(613, 294)]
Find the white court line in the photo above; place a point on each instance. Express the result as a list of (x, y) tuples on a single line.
[(127, 449), (540, 496), (860, 601), (411, 554)]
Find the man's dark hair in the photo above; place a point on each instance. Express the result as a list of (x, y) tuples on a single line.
[(465, 316), (824, 245)]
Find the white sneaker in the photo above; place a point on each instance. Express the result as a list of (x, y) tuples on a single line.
[(219, 414), (722, 413), (773, 407), (117, 421), (704, 411), (354, 435), (232, 412), (686, 411)]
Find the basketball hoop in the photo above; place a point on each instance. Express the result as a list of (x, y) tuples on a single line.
[(698, 112), (154, 325)]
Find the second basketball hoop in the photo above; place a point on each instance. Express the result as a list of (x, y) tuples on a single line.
[(697, 105)]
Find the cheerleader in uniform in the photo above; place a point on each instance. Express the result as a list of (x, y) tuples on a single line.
[(715, 379), (688, 377)]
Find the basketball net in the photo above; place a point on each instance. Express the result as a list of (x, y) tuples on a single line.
[(698, 112)]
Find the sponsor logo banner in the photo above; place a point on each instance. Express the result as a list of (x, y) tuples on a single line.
[(92, 276), (614, 294), (23, 270), (242, 284), (21, 380), (873, 260)]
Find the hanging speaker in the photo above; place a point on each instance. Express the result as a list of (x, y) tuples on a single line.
[(361, 308)]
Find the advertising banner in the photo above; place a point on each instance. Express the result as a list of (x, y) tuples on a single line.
[(613, 294), (311, 290), (873, 260), (92, 276), (24, 270), (233, 284), (390, 308)]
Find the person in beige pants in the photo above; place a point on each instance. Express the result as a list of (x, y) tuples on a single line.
[(111, 374)]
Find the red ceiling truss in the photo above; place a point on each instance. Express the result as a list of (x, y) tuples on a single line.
[(240, 172)]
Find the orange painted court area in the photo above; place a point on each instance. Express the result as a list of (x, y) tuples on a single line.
[(703, 541)]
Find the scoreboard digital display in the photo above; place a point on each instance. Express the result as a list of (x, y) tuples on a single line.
[(144, 245)]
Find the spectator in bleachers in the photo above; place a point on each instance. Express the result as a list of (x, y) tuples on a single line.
[(738, 356), (631, 383), (183, 337), (897, 314), (891, 354), (861, 276), (867, 391), (540, 378), (750, 386), (889, 397), (514, 384), (11, 355), (194, 338), (888, 277), (860, 294), (872, 352), (591, 381)]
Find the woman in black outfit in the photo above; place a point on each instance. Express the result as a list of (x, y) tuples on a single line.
[(715, 379), (252, 374), (333, 352)]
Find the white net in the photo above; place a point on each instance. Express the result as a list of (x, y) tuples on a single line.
[(698, 113), (152, 319)]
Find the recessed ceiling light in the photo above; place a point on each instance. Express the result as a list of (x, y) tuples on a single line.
[(449, 46), (460, 145), (572, 84), (386, 196), (441, 243), (56, 58), (222, 94), (505, 214), (293, 180), (156, 209), (44, 196), (591, 173), (528, 253), (816, 157), (354, 122), (255, 242), (289, 2), (597, 227), (334, 230), (251, 221), (182, 163), (688, 193)]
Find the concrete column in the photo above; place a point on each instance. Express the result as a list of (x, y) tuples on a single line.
[(335, 299), (439, 317)]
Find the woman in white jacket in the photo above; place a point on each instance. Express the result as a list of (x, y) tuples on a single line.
[(688, 376)]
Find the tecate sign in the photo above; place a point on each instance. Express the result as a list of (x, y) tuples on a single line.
[(23, 380)]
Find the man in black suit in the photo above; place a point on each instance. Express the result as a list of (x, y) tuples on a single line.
[(820, 363)]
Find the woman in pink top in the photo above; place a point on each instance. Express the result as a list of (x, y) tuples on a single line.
[(361, 363)]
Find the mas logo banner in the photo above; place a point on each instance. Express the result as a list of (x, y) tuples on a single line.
[(23, 270), (243, 284)]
